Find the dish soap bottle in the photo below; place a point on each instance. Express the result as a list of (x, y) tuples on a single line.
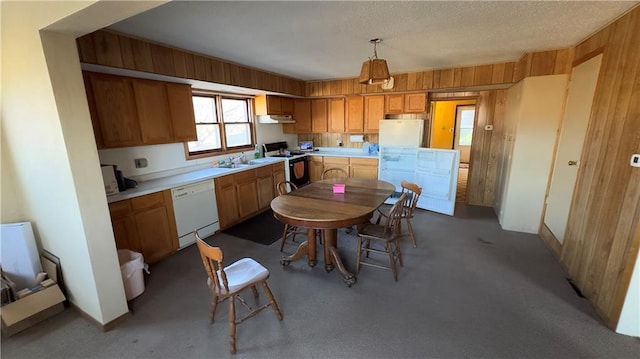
[(256, 152)]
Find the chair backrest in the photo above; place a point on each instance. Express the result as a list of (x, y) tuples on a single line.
[(333, 173), (413, 193), (283, 189), (212, 261), (392, 226)]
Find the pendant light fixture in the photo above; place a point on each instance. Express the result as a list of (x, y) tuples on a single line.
[(374, 70)]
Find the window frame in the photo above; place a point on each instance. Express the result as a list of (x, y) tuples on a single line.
[(218, 96)]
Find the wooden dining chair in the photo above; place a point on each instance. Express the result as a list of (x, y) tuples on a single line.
[(371, 235), (413, 193), (289, 231), (227, 283), (334, 172)]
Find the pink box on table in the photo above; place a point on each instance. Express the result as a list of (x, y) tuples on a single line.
[(338, 187)]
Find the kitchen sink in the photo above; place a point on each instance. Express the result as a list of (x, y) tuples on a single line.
[(236, 165)]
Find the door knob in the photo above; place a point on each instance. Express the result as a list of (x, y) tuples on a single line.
[(573, 163)]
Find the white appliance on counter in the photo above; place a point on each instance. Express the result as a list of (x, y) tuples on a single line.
[(435, 170), (405, 133), (195, 207)]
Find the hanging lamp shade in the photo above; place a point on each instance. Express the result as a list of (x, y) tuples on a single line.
[(374, 70)]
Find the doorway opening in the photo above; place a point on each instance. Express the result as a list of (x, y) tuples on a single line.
[(452, 127)]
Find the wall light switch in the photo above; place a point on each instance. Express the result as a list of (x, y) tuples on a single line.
[(635, 160), (140, 162)]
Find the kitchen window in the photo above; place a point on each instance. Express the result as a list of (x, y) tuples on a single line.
[(223, 124)]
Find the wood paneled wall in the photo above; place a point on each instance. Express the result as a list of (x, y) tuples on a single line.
[(108, 48), (531, 64), (601, 243)]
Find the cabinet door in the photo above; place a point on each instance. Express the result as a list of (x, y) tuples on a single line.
[(336, 162), (181, 107), (247, 198), (265, 191), (415, 102), (124, 226), (274, 105), (302, 115), (227, 206), (364, 168), (336, 115), (115, 108), (373, 113), (319, 116), (286, 105), (154, 233), (315, 168), (152, 105), (394, 103), (278, 177), (355, 114), (97, 133)]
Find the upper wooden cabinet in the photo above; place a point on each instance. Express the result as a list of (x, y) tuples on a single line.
[(336, 115), (134, 112), (115, 113), (302, 115), (355, 114), (319, 115), (273, 105), (405, 103), (373, 113)]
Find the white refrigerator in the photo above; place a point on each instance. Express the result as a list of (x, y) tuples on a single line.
[(402, 158)]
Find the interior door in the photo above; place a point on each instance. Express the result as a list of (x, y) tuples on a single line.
[(582, 86), (465, 117)]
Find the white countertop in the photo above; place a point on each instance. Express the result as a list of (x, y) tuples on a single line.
[(161, 184)]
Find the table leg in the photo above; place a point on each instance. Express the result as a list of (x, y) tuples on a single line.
[(307, 248), (332, 257)]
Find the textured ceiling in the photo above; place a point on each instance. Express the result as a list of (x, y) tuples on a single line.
[(330, 39)]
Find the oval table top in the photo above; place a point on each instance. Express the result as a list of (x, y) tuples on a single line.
[(316, 206)]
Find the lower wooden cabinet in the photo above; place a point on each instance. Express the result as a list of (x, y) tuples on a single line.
[(356, 167), (244, 194), (146, 224)]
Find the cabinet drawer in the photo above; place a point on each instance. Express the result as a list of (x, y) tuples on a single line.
[(364, 161), (264, 171), (224, 181), (276, 167), (245, 176), (148, 201), (119, 209), (337, 160)]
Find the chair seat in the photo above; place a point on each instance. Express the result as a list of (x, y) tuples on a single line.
[(374, 230), (242, 274)]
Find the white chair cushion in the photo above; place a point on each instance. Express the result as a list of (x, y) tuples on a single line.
[(242, 273)]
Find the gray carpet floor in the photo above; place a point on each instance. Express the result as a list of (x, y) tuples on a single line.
[(470, 290)]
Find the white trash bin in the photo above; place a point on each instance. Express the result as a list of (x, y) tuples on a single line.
[(131, 266)]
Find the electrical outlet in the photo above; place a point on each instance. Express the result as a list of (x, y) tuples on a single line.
[(339, 143), (140, 162)]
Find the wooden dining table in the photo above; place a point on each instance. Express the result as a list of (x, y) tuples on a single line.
[(317, 207)]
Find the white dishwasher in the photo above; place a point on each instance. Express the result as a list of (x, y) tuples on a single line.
[(195, 208)]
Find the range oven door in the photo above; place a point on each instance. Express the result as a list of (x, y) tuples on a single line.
[(299, 171)]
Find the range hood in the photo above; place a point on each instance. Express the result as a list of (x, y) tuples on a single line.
[(275, 119)]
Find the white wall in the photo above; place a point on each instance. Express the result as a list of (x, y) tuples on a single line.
[(50, 170), (629, 323), (538, 114)]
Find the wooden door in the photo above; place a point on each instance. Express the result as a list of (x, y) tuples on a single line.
[(336, 162), (302, 115), (182, 116), (319, 115), (154, 233), (363, 168), (124, 226), (154, 115), (336, 115), (247, 193), (373, 113), (115, 108), (274, 105), (582, 87), (315, 168), (355, 114), (394, 103), (226, 198), (415, 102), (265, 186), (286, 105)]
